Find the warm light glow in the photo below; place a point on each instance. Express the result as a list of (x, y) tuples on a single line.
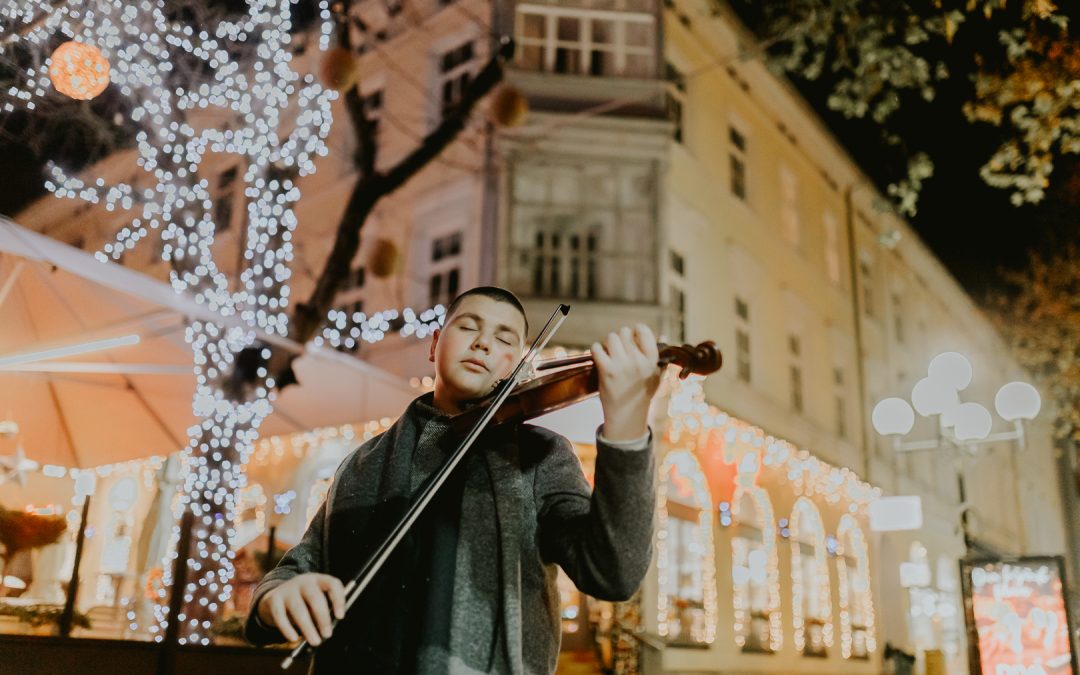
[(1017, 401), (79, 70), (893, 416)]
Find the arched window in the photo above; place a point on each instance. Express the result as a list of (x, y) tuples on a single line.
[(856, 603), (811, 602), (687, 601), (754, 574)]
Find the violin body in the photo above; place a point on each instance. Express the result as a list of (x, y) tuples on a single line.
[(577, 381)]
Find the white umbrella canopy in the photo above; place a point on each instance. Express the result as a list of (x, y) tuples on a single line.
[(115, 401)]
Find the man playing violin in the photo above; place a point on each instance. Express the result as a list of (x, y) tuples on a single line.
[(472, 588)]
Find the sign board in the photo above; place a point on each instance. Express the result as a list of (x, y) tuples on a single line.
[(893, 514), (1017, 618)]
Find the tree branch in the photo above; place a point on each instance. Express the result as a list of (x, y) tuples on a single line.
[(308, 317)]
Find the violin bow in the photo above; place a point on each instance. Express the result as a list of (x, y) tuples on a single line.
[(375, 563)]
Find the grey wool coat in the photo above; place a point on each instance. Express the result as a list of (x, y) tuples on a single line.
[(525, 508)]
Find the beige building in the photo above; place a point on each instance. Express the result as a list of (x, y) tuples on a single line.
[(660, 178)]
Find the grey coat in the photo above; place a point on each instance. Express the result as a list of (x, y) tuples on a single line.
[(545, 513)]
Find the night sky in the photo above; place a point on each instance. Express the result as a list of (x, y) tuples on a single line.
[(972, 227)]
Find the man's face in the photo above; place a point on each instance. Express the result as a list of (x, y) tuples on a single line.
[(479, 345)]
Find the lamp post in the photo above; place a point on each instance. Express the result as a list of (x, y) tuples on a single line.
[(961, 426)]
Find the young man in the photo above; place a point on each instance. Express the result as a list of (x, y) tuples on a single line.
[(472, 588)]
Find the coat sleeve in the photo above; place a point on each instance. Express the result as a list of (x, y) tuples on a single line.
[(306, 556), (602, 538)]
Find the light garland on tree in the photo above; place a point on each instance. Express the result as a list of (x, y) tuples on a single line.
[(348, 329), (277, 121)]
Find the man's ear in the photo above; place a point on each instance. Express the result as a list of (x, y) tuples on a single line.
[(434, 341)]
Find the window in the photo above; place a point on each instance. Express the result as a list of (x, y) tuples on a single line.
[(789, 206), (676, 99), (444, 281), (455, 73), (810, 588), (742, 340), (580, 40), (867, 275), (737, 162), (570, 215), (688, 590), (898, 317), (356, 279), (796, 387), (795, 375), (832, 247), (839, 403), (445, 247), (373, 109), (754, 575), (678, 294), (223, 206), (856, 603)]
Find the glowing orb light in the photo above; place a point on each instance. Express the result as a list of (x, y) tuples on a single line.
[(79, 70)]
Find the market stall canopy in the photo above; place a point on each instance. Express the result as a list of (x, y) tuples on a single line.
[(94, 368)]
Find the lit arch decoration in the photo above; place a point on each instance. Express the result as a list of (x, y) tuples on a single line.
[(808, 528), (854, 597), (685, 463), (765, 520)]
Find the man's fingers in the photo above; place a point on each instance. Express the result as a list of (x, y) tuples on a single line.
[(281, 619), (600, 356), (615, 347), (334, 586), (646, 341), (320, 611), (298, 611)]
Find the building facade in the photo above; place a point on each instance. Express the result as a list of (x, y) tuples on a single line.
[(661, 178)]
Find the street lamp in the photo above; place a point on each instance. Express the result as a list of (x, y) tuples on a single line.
[(961, 425)]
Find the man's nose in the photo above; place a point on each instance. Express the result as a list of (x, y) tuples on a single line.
[(482, 342)]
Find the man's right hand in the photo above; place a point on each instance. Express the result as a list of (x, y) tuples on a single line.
[(300, 604)]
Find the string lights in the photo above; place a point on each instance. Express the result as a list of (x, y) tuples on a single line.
[(756, 589), (199, 87)]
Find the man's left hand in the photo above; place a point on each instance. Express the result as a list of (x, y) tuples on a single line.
[(629, 377)]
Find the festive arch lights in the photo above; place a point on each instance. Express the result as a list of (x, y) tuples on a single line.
[(79, 70), (682, 486), (755, 571), (811, 601), (857, 636)]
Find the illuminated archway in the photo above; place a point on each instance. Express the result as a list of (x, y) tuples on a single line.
[(755, 572), (856, 602), (811, 601), (686, 603)]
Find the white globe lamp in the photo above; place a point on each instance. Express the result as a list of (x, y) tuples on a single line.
[(973, 422), (893, 416), (932, 397), (1017, 401), (952, 369)]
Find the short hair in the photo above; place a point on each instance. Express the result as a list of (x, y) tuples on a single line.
[(495, 293)]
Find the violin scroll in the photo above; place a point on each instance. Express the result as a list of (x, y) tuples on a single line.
[(702, 359)]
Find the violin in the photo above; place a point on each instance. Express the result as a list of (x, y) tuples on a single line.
[(575, 380), (516, 399)]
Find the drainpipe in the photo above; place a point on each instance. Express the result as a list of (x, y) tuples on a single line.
[(856, 305)]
